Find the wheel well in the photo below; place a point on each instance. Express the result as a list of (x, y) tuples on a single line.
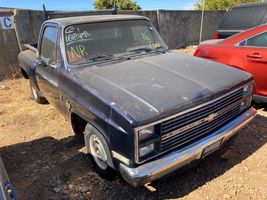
[(24, 74), (78, 124)]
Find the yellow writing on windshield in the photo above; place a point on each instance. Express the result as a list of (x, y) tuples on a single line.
[(76, 53), (145, 37), (79, 50), (156, 45)]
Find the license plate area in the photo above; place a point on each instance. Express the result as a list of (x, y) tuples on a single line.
[(211, 148)]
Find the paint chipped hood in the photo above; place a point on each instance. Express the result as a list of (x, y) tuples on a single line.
[(153, 87)]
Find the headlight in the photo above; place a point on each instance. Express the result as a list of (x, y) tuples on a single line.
[(248, 89), (147, 140), (146, 133), (146, 150), (245, 103), (247, 96)]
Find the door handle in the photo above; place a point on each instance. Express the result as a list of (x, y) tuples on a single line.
[(254, 56)]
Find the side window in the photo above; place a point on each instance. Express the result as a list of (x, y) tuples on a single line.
[(258, 40), (243, 43), (49, 47)]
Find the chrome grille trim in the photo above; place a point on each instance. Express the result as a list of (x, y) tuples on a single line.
[(171, 117), (204, 112), (195, 134), (199, 122)]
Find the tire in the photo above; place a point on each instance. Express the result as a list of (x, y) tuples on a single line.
[(36, 96), (99, 153)]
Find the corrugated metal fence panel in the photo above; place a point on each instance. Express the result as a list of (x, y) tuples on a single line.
[(182, 28), (178, 29)]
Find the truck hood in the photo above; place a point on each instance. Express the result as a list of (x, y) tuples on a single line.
[(155, 86)]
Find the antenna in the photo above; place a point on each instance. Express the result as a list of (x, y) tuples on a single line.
[(45, 13)]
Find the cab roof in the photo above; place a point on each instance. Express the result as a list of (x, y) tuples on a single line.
[(94, 18)]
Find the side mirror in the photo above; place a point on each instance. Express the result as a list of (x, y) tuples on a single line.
[(41, 62)]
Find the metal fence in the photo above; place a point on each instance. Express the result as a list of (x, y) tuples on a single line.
[(177, 27)]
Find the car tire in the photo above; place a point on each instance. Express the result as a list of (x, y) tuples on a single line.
[(36, 96), (99, 153)]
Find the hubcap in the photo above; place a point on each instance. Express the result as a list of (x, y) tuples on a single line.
[(98, 152)]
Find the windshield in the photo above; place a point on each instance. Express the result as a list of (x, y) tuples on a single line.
[(87, 43)]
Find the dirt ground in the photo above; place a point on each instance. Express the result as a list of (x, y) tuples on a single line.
[(46, 161)]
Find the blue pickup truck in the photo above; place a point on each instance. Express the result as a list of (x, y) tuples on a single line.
[(144, 110)]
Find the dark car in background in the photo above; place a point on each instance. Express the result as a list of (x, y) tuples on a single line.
[(6, 190), (240, 18)]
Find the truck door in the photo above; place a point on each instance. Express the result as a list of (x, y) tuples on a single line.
[(48, 64)]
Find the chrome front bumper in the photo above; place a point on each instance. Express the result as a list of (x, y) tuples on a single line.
[(176, 159)]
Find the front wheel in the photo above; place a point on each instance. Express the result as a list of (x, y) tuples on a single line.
[(99, 153)]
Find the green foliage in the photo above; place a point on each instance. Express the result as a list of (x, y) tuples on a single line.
[(121, 4), (221, 4)]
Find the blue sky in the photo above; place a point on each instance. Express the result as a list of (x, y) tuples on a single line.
[(87, 4)]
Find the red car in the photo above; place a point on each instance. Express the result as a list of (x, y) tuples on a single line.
[(246, 51)]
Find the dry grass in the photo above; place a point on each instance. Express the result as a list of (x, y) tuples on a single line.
[(188, 50), (22, 119)]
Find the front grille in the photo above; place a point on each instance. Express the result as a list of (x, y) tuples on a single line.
[(193, 125)]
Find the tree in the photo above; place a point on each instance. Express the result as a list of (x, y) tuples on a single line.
[(221, 4), (121, 4)]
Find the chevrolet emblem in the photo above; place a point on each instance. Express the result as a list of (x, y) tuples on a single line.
[(211, 117)]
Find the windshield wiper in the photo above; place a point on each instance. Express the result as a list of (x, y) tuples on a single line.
[(146, 49), (100, 57), (141, 49), (94, 59)]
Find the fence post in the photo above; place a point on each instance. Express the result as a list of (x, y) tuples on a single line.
[(201, 23)]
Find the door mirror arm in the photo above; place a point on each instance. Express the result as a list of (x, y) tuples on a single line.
[(41, 62), (38, 59)]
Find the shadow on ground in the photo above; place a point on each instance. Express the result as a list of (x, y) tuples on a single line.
[(262, 106), (56, 169)]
